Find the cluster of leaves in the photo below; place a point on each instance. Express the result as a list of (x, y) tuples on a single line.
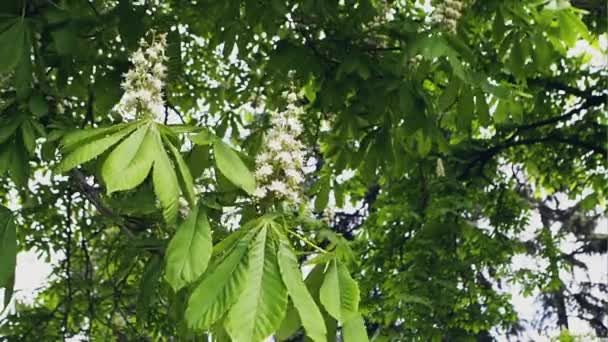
[(432, 148)]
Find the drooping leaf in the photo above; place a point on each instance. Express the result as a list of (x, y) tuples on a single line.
[(261, 306), (189, 250), (130, 162), (219, 289), (311, 317), (8, 246), (185, 176), (339, 292), (353, 330), (231, 166), (292, 322), (164, 179), (11, 44)]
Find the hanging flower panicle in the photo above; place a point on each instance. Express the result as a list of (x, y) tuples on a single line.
[(279, 167), (143, 84), (447, 14)]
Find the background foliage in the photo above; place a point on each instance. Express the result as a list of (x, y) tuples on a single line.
[(440, 157)]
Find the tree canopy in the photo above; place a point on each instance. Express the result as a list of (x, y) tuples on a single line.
[(317, 170)]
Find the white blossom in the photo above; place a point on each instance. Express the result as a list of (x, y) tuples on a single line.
[(278, 186), (263, 171), (447, 14), (143, 84), (274, 145), (260, 192), (279, 172)]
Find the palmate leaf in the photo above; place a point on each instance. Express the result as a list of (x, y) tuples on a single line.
[(92, 149), (219, 288), (130, 163), (339, 292), (261, 306), (309, 312), (8, 247), (189, 251)]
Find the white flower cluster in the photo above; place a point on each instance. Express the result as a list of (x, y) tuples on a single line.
[(279, 167), (143, 84), (447, 14)]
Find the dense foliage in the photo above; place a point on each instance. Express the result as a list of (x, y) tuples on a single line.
[(328, 170)]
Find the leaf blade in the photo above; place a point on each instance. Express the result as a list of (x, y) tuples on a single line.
[(339, 293), (218, 291), (189, 250), (91, 150), (260, 308), (130, 162), (311, 317), (233, 167), (8, 246)]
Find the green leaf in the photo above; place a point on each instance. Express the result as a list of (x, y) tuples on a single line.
[(323, 195), (28, 135), (37, 105), (147, 286), (165, 181), (466, 110), (23, 71), (292, 322), (450, 94), (65, 39), (198, 160), (219, 289), (130, 162), (8, 246), (203, 138), (12, 43), (339, 292), (353, 330), (189, 251), (185, 176), (261, 306), (232, 167), (8, 127), (73, 139), (91, 150), (482, 108), (309, 312)]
